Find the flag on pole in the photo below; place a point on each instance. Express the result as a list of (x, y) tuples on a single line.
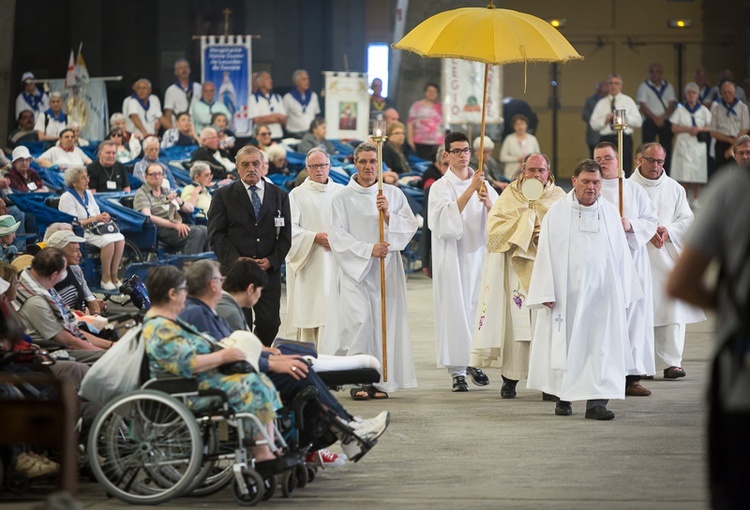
[(70, 76), (82, 73)]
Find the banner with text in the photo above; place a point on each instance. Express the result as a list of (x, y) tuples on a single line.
[(463, 87), (347, 105), (227, 62)]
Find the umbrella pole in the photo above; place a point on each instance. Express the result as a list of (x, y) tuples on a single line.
[(379, 141), (480, 156)]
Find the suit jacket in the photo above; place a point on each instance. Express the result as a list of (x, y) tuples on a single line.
[(233, 230), (217, 169)]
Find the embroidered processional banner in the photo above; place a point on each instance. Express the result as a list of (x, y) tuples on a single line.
[(347, 105), (227, 62), (463, 87), (86, 104)]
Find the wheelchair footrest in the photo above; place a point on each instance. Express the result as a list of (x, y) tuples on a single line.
[(356, 376)]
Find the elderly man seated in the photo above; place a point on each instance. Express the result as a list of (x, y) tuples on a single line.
[(25, 131), (106, 173), (151, 155), (49, 321), (161, 205), (217, 158), (64, 155), (290, 374), (22, 177)]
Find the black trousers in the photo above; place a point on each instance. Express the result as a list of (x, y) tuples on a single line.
[(651, 131), (627, 151), (719, 160), (266, 310)]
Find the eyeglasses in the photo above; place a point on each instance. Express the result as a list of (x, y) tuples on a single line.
[(246, 164), (116, 134), (321, 166), (458, 152), (154, 174), (264, 133), (659, 162), (365, 162), (605, 158), (220, 278)]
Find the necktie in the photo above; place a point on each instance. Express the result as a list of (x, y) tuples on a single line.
[(255, 199)]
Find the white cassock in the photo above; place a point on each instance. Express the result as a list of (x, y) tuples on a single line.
[(580, 349), (309, 266), (674, 213), (353, 324), (637, 208), (458, 251)]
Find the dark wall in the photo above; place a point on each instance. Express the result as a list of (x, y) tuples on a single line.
[(143, 38)]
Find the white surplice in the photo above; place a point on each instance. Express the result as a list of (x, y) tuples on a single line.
[(674, 213), (353, 324), (458, 251), (637, 208), (309, 266), (580, 349)]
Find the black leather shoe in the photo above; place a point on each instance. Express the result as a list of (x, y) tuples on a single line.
[(459, 383), (508, 389), (599, 413), (563, 408), (548, 397), (478, 377)]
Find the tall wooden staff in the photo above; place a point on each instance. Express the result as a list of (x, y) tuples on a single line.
[(620, 124), (378, 130)]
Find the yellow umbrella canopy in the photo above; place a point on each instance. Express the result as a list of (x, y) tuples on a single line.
[(491, 36), (488, 35)]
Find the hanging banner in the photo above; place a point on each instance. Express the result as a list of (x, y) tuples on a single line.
[(227, 62), (463, 89), (86, 104), (347, 105)]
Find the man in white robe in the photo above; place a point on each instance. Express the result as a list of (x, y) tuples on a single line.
[(583, 282), (503, 325), (458, 207), (639, 222), (353, 325), (675, 217), (309, 263)]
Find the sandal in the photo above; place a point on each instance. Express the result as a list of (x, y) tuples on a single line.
[(376, 394), (361, 393)]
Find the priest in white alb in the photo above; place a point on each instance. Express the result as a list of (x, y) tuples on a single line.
[(583, 282), (309, 263), (353, 325), (503, 325), (639, 222), (458, 206), (675, 217)]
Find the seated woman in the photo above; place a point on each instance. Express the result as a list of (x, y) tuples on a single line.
[(175, 347), (183, 135), (78, 201), (393, 153), (130, 141), (220, 123), (316, 137), (277, 163), (197, 193), (123, 152), (262, 137)]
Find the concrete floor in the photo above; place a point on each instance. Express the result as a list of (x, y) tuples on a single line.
[(446, 450)]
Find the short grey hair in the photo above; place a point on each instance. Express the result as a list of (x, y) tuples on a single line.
[(72, 174), (147, 81), (149, 140), (56, 94), (116, 117), (198, 276), (364, 147), (180, 60), (207, 131), (440, 154), (316, 150), (693, 86), (296, 74), (198, 168)]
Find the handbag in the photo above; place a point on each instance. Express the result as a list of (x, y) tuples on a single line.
[(101, 228)]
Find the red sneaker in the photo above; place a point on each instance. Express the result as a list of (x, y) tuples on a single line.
[(325, 459)]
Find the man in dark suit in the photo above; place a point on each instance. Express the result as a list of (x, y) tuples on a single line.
[(251, 218), (217, 158)]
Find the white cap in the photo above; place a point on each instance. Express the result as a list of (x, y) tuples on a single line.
[(20, 152), (27, 76), (63, 238)]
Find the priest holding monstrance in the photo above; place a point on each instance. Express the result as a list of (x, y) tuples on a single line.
[(503, 325), (583, 282)]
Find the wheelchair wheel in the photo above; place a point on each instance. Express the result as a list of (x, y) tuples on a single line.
[(215, 474), (288, 483), (269, 487), (145, 447), (301, 473), (254, 485), (131, 254)]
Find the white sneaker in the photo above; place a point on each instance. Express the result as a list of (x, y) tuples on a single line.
[(352, 449), (371, 428)]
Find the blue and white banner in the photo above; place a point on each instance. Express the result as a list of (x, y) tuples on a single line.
[(227, 62)]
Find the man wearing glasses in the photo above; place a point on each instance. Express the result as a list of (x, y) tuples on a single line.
[(603, 115), (458, 208), (353, 326), (675, 217), (309, 263), (639, 221), (251, 218)]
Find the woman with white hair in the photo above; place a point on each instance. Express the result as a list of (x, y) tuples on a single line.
[(277, 163), (197, 194), (78, 201), (490, 166), (691, 122)]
